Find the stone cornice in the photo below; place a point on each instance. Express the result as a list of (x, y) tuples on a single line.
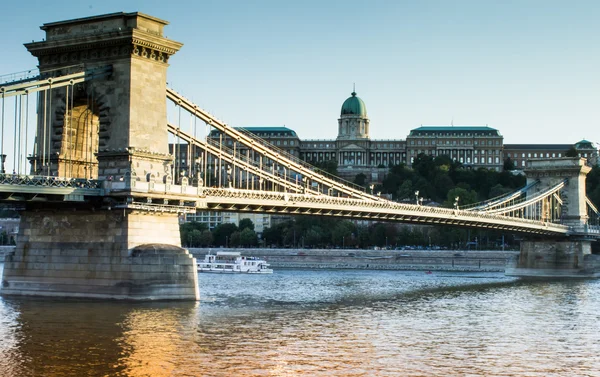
[(107, 45)]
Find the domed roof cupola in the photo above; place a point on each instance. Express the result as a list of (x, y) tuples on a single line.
[(353, 123), (354, 106)]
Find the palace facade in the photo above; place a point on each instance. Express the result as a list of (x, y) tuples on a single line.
[(355, 152)]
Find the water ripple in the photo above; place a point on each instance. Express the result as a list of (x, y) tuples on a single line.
[(317, 323)]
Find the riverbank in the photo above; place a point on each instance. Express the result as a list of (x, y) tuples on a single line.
[(416, 260), (420, 260)]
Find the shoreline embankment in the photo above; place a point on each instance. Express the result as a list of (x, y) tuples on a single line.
[(420, 260), (417, 260)]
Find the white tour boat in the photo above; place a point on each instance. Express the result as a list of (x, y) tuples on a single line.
[(233, 262)]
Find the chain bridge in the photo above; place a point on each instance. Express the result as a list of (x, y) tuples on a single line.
[(85, 157)]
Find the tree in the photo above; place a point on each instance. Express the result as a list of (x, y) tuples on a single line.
[(186, 229), (222, 233), (206, 238), (329, 166), (248, 238), (499, 190), (508, 164), (235, 240), (246, 223), (312, 238), (194, 237), (572, 152), (406, 190), (360, 179), (465, 197), (341, 235)]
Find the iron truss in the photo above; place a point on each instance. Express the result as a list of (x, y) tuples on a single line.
[(25, 188), (222, 199)]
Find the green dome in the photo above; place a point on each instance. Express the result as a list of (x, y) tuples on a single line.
[(354, 106)]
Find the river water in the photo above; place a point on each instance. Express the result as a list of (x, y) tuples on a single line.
[(316, 323)]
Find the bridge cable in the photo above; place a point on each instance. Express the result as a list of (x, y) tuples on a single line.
[(2, 142), (71, 146), (195, 150), (15, 135), (21, 127), (51, 120), (26, 128), (43, 167), (67, 135)]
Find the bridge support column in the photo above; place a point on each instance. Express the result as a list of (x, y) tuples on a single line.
[(100, 254), (555, 258), (570, 256)]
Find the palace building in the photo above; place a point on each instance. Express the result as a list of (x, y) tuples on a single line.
[(355, 152)]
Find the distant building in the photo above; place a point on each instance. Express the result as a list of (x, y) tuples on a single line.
[(473, 146), (519, 154), (353, 149), (212, 219)]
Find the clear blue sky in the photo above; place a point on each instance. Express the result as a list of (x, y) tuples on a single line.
[(527, 68)]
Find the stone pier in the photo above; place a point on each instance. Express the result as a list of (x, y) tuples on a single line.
[(100, 254), (569, 256)]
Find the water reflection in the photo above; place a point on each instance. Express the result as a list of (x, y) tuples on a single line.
[(316, 323), (75, 338)]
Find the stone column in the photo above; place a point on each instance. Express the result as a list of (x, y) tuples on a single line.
[(112, 254)]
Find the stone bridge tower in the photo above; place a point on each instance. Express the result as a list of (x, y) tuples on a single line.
[(570, 256), (552, 172), (116, 125), (103, 128)]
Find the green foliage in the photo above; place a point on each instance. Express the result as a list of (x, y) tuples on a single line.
[(329, 166), (572, 152), (464, 196), (435, 177), (360, 179), (206, 238), (235, 239), (508, 164), (190, 233), (246, 223), (222, 233), (248, 238)]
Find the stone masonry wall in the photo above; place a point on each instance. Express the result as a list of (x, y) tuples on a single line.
[(70, 253)]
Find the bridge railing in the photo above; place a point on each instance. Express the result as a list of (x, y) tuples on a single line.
[(48, 181)]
